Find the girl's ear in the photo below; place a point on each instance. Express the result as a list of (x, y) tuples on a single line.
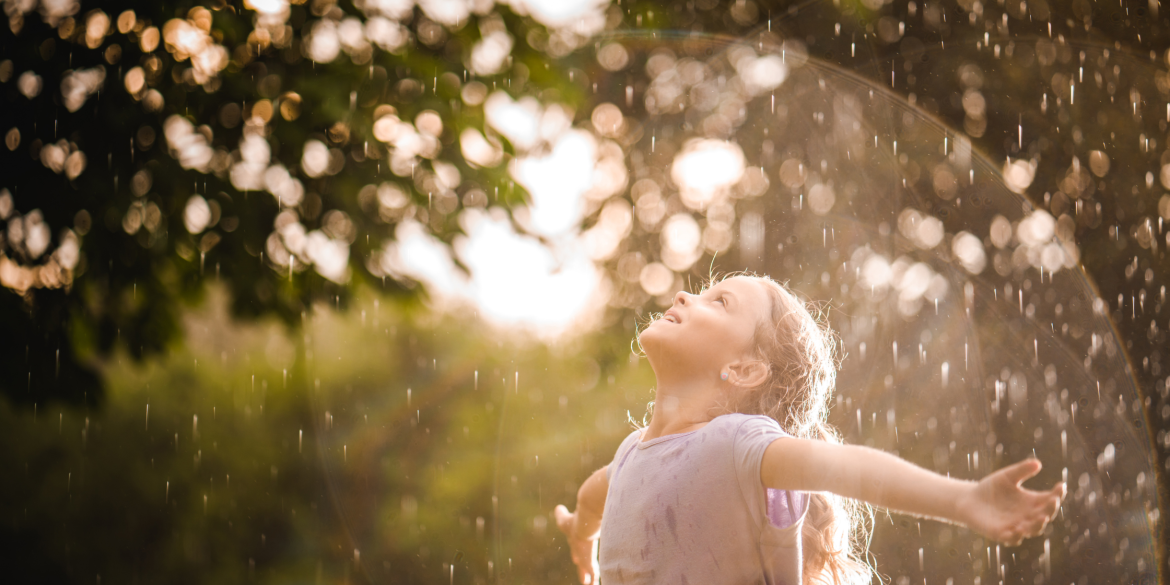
[(747, 374)]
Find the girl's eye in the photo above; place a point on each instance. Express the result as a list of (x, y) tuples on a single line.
[(720, 300)]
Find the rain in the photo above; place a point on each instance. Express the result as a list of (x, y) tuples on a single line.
[(384, 262)]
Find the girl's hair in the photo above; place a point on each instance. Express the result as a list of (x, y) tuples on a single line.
[(800, 353), (801, 357)]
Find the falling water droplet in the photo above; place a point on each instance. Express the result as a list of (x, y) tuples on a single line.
[(1047, 559)]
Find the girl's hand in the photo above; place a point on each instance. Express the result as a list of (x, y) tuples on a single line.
[(583, 550), (1000, 508)]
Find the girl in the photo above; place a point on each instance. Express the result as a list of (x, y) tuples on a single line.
[(738, 479)]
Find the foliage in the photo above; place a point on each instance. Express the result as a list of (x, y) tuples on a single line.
[(248, 455), (126, 199)]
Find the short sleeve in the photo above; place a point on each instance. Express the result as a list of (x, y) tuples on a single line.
[(622, 453), (752, 437)]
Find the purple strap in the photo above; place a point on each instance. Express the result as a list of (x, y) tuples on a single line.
[(785, 507)]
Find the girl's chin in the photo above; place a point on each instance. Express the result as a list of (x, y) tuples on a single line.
[(656, 340), (655, 329)]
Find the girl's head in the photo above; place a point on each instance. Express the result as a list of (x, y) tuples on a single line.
[(755, 342), (765, 353), (710, 336)]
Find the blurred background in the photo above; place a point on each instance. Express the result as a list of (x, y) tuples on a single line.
[(347, 292)]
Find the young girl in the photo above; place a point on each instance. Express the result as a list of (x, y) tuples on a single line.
[(738, 479)]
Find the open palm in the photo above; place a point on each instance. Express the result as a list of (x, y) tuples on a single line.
[(583, 550), (1000, 508)]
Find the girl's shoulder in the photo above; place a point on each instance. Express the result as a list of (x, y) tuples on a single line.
[(739, 420)]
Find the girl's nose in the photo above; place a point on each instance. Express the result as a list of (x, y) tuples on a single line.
[(680, 297)]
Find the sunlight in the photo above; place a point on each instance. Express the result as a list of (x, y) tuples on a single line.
[(517, 120), (706, 168), (516, 280), (512, 280), (556, 182), (560, 13)]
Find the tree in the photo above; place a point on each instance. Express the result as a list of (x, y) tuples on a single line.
[(181, 133)]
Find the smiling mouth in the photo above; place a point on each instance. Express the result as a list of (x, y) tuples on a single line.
[(670, 317)]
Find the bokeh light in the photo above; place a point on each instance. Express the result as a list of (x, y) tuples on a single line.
[(975, 192)]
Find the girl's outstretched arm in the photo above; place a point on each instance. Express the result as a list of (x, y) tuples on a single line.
[(583, 526), (998, 506)]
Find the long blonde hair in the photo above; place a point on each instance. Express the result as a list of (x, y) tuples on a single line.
[(801, 356)]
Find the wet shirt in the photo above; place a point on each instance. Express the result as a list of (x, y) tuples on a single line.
[(691, 509)]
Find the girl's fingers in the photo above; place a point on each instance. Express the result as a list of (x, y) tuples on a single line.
[(563, 517), (1059, 491), (585, 571), (1020, 472), (588, 572)]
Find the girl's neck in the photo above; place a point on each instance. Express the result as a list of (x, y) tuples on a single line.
[(680, 408)]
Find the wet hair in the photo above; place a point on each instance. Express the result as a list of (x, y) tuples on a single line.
[(801, 356)]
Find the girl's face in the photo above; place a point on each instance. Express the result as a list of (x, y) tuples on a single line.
[(701, 334)]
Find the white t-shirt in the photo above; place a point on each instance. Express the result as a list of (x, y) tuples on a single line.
[(690, 509)]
